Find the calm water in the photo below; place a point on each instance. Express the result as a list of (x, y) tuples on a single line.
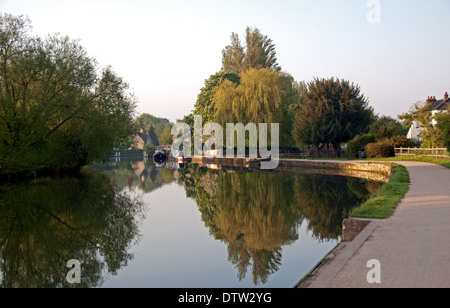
[(132, 224)]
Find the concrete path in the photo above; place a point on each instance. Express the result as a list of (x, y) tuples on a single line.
[(412, 247)]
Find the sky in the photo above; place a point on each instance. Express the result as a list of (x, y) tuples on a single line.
[(397, 51)]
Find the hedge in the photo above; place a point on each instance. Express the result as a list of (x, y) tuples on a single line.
[(380, 150)]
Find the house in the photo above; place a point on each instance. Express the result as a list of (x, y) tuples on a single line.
[(438, 106), (141, 139)]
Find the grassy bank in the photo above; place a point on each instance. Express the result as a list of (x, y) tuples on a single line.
[(438, 161), (382, 204)]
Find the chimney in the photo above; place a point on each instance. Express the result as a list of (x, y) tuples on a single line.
[(431, 99), (446, 96)]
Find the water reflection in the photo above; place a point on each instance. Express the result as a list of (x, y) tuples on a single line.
[(95, 218), (46, 224), (256, 214), (326, 200)]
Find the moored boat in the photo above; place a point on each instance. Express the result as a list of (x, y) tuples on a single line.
[(160, 157)]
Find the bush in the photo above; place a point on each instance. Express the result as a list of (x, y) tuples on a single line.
[(398, 141), (380, 150), (358, 143), (149, 149)]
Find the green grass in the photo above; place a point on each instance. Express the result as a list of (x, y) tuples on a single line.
[(316, 158), (383, 203), (438, 161)]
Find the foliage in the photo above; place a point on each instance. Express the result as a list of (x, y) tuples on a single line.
[(387, 128), (444, 125), (259, 52), (380, 149), (423, 114), (153, 136), (358, 143), (205, 100), (166, 136), (263, 96), (149, 149), (145, 121), (333, 111), (398, 141), (56, 113)]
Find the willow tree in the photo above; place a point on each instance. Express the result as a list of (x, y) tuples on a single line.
[(263, 96), (205, 103), (259, 52), (56, 112), (333, 111)]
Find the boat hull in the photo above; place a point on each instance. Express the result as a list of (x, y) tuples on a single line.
[(160, 158)]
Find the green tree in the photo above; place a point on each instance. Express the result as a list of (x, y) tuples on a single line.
[(263, 96), (145, 120), (56, 113), (166, 136), (423, 114), (333, 111), (153, 137), (387, 128), (443, 121), (205, 103), (259, 52)]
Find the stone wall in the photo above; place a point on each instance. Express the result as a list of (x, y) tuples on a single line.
[(374, 171)]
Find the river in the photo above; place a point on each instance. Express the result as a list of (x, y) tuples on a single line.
[(131, 223)]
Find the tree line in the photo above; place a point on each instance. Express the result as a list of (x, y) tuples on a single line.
[(58, 110), (251, 87)]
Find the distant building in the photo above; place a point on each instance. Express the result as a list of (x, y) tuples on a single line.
[(438, 106), (141, 139)]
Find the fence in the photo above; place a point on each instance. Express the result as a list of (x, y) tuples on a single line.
[(432, 152)]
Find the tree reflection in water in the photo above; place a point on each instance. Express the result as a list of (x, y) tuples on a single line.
[(95, 218), (44, 225), (256, 213)]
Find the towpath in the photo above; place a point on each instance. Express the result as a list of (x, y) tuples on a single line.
[(412, 246)]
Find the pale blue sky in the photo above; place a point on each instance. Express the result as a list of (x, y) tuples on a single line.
[(166, 49)]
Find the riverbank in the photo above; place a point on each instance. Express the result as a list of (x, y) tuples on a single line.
[(380, 205), (412, 246), (437, 161), (377, 171)]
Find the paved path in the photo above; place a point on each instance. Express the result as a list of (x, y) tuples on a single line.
[(412, 246)]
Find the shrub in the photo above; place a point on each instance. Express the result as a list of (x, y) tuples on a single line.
[(149, 149), (380, 150), (398, 141), (358, 143)]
